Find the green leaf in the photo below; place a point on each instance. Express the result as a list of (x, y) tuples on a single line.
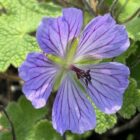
[(32, 114), (23, 116), (44, 130), (127, 7), (14, 44), (131, 100), (39, 8), (5, 136), (87, 18), (104, 121), (17, 29), (133, 28), (134, 64), (130, 137), (70, 136)]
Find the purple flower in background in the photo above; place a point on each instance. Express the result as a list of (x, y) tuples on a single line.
[(103, 84)]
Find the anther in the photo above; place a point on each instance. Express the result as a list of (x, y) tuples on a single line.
[(82, 75)]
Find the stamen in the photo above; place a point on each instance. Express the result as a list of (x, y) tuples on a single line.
[(82, 75)]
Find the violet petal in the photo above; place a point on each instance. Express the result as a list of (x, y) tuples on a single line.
[(108, 83), (39, 75), (53, 34), (103, 38), (72, 110)]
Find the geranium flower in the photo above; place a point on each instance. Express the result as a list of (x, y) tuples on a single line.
[(61, 64)]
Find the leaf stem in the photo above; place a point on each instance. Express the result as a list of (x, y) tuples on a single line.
[(117, 14), (64, 136), (10, 122), (131, 124), (113, 6), (132, 16), (89, 8), (100, 4), (9, 77)]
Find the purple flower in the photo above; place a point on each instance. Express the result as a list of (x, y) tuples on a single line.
[(103, 84)]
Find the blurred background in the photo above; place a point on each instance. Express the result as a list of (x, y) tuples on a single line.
[(19, 20)]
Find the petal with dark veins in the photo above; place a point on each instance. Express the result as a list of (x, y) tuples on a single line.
[(38, 74), (102, 38), (108, 84), (72, 110), (54, 34)]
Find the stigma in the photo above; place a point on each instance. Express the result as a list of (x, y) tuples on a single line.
[(82, 74)]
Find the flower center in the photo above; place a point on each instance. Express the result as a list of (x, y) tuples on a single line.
[(81, 74)]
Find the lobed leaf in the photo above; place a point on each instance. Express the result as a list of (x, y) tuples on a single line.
[(104, 121), (134, 64), (44, 130), (17, 29), (23, 116), (131, 100)]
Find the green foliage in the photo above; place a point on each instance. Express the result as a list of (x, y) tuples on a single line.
[(44, 130), (127, 8), (104, 121), (15, 43), (17, 29), (131, 100), (23, 116), (133, 28), (130, 137), (134, 64), (5, 136), (70, 136), (87, 18)]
